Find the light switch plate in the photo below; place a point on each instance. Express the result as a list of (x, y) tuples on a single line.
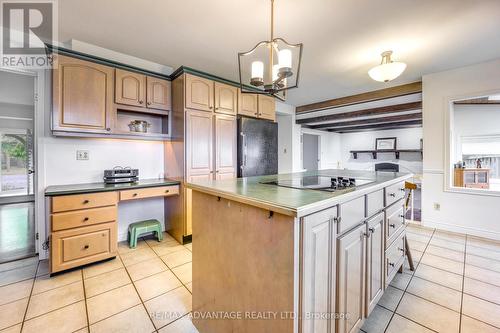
[(82, 155)]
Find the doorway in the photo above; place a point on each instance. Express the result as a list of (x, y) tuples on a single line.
[(311, 152), (17, 199)]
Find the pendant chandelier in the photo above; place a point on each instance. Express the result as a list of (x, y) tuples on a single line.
[(271, 67), (388, 70)]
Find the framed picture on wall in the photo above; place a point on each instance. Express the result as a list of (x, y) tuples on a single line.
[(385, 143)]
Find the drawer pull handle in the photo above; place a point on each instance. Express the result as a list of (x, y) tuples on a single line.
[(391, 264), (85, 247), (337, 219), (402, 190), (134, 195), (392, 195), (402, 216), (85, 202), (372, 230), (400, 249), (166, 191), (85, 219), (392, 225)]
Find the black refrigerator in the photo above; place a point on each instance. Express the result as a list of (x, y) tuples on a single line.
[(257, 147)]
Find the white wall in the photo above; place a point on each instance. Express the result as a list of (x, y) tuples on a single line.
[(475, 214), (408, 138)]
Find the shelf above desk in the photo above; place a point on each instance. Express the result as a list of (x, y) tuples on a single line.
[(374, 153)]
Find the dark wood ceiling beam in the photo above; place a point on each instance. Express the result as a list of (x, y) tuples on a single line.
[(364, 113), (377, 126), (405, 117), (403, 90)]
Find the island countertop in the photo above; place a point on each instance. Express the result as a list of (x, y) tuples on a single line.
[(291, 201)]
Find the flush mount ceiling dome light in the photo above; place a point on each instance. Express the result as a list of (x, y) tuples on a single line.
[(271, 67), (388, 70)]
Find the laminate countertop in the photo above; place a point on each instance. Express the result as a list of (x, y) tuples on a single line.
[(291, 201), (103, 187)]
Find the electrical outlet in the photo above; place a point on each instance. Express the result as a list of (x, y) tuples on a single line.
[(437, 206), (82, 155)]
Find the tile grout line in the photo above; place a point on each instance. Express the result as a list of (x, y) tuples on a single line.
[(463, 284), (29, 297), (85, 300)]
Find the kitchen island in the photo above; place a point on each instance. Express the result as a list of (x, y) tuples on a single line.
[(277, 254)]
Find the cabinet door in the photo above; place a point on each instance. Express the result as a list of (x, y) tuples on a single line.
[(130, 88), (226, 99), (318, 273), (82, 96), (267, 107), (199, 93), (199, 138), (158, 93), (351, 280), (225, 146), (374, 262), (248, 105)]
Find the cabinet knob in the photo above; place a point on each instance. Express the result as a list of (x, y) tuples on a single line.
[(337, 219), (85, 202), (149, 103), (372, 230), (392, 195), (86, 247), (400, 249), (85, 219), (108, 129), (166, 191), (210, 107), (402, 189), (391, 264), (402, 216), (392, 225), (216, 108), (134, 195), (141, 102)]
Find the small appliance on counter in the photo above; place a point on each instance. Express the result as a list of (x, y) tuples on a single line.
[(140, 126), (119, 175)]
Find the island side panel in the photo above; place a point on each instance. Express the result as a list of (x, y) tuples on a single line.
[(243, 262)]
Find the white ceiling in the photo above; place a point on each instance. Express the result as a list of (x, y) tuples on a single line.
[(342, 38)]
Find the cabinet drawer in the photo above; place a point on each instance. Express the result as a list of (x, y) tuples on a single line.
[(394, 192), (83, 201), (83, 218), (394, 222), (149, 192), (374, 202), (352, 213), (394, 257), (80, 246)]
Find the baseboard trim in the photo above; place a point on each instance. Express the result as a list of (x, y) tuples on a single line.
[(461, 229)]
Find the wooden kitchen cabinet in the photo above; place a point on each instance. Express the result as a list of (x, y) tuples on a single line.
[(199, 93), (158, 93), (267, 107), (248, 105), (318, 258), (130, 88), (199, 138), (82, 96), (375, 251), (226, 99), (225, 146), (351, 279)]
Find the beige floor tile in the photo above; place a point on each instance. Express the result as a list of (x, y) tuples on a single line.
[(55, 299), (12, 313), (189, 246), (391, 298), (482, 252), (12, 329), (169, 307), (135, 257), (416, 229), (146, 268), (483, 262), (443, 263), (184, 272), (15, 291), (133, 320), (45, 283), (68, 319), (183, 325), (102, 267), (109, 303), (439, 276), (177, 258), (33, 261), (377, 321), (447, 244), (153, 241), (43, 268), (470, 325), (401, 281), (416, 256), (189, 286), (17, 274), (417, 237), (416, 245), (167, 248), (445, 253), (482, 274), (83, 330), (402, 325), (157, 284), (107, 281), (482, 310), (449, 236), (482, 290), (436, 293), (123, 247), (429, 314), (484, 243)]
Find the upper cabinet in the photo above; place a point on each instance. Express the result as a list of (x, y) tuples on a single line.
[(199, 93), (82, 96), (158, 93), (130, 88), (226, 98), (248, 105), (267, 107)]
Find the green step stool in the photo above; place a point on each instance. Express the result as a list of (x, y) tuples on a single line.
[(138, 228)]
